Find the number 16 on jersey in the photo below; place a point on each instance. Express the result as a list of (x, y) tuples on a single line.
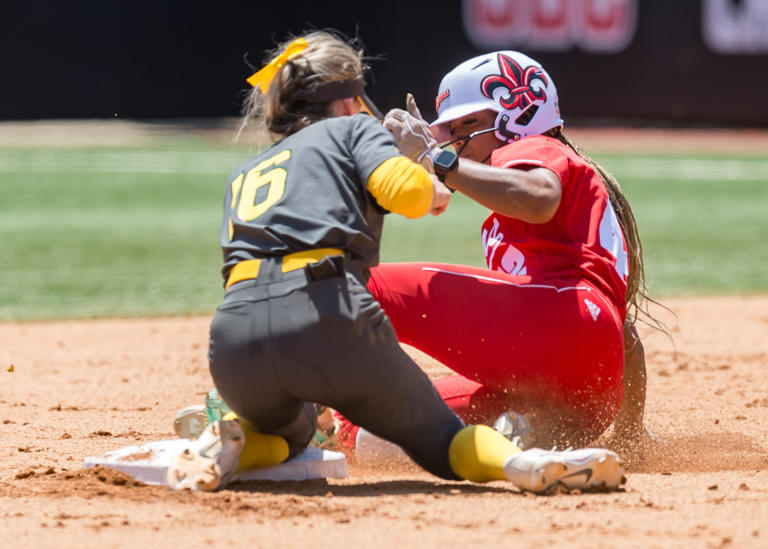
[(246, 186)]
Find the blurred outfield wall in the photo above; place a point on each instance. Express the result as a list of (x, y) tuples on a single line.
[(675, 62)]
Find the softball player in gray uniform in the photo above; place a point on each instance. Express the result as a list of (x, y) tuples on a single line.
[(300, 333), (297, 326)]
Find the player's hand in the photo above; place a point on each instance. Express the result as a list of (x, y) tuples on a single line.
[(411, 133), (410, 106), (441, 196)]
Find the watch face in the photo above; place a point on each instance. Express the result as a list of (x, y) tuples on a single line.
[(446, 159)]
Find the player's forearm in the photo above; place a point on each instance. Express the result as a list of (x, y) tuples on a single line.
[(531, 196), (629, 421)]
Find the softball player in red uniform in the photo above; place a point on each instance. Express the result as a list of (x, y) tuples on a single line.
[(542, 330), (297, 326)]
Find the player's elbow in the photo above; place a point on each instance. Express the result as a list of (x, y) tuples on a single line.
[(546, 193), (402, 186), (544, 209), (414, 200), (543, 203)]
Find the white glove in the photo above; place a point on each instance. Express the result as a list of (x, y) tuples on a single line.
[(412, 133)]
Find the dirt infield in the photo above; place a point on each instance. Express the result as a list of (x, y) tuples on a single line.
[(81, 388), (75, 389)]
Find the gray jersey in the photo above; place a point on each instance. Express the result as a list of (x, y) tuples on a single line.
[(309, 191)]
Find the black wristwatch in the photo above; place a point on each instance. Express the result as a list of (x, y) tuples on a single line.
[(443, 162)]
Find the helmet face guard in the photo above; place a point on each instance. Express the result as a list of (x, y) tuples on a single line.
[(507, 82)]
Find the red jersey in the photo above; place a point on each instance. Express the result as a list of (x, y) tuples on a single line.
[(582, 241)]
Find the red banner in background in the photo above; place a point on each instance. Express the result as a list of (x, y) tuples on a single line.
[(490, 23), (551, 24), (613, 61), (606, 26)]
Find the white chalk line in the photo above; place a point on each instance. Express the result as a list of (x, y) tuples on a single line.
[(223, 162), (215, 162)]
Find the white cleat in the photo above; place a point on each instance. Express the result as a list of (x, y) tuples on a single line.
[(538, 470), (210, 461)]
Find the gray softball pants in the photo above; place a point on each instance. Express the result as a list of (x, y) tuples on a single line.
[(282, 342)]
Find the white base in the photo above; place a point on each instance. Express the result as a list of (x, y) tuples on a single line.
[(149, 463)]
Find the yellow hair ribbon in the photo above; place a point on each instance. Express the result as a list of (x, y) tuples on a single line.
[(264, 77)]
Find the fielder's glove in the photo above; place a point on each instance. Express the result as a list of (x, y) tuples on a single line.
[(412, 133)]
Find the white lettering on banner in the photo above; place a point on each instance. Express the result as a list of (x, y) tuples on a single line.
[(605, 26), (735, 27), (491, 23), (551, 24)]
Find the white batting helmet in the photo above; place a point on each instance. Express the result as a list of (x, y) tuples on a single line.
[(508, 82)]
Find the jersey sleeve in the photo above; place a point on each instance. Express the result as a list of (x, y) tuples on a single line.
[(402, 186), (371, 144), (536, 151)]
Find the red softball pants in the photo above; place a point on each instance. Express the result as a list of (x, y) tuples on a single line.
[(552, 349)]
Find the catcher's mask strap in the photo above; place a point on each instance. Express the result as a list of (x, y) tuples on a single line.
[(341, 89)]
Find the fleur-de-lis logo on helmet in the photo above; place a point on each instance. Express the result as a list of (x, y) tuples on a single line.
[(517, 81)]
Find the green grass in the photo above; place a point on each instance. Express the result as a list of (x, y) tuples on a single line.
[(110, 233), (703, 221), (132, 232)]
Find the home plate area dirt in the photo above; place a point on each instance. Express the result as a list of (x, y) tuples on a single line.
[(81, 388)]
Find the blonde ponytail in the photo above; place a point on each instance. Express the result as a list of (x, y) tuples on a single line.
[(283, 109)]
